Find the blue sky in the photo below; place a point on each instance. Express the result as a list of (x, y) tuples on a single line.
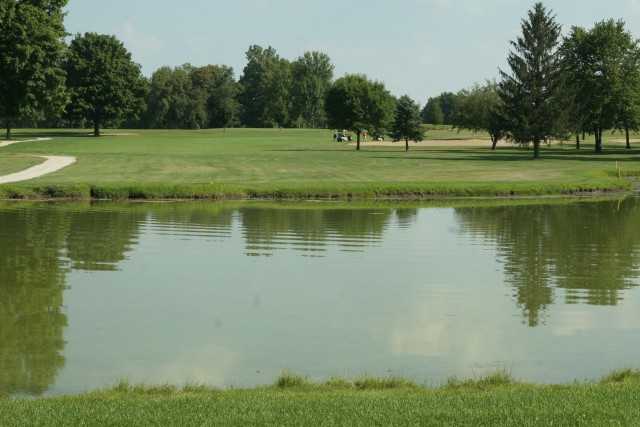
[(417, 47)]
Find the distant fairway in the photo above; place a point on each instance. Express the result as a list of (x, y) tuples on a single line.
[(304, 163)]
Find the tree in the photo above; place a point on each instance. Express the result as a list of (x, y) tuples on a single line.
[(215, 87), (480, 109), (449, 106), (602, 66), (104, 83), (31, 51), (432, 112), (529, 90), (627, 92), (265, 86), (312, 74), (358, 104), (172, 102), (407, 124)]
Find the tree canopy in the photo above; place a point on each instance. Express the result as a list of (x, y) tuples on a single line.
[(432, 112), (31, 53), (104, 82), (312, 74), (358, 104), (603, 74), (265, 93), (480, 109)]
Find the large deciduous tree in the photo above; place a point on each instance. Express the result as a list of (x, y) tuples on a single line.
[(480, 109), (265, 89), (187, 97), (104, 82), (31, 53), (407, 124), (312, 74), (356, 103), (530, 87), (171, 103), (602, 68), (216, 88)]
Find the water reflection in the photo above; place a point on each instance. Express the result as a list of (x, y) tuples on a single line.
[(311, 230), (32, 280), (589, 250), (252, 276)]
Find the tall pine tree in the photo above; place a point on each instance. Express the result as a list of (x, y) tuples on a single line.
[(529, 90)]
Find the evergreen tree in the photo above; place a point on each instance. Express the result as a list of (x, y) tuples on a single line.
[(529, 89), (407, 124)]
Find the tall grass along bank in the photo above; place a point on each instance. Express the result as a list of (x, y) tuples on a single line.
[(293, 400)]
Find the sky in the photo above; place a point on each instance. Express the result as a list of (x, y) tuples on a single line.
[(416, 47)]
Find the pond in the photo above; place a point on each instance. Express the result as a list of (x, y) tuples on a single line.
[(232, 294)]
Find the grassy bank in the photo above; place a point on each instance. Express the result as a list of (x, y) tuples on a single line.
[(302, 164), (494, 400)]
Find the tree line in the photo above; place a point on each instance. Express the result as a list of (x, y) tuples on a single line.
[(554, 88), (94, 81)]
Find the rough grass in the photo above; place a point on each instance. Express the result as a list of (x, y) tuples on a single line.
[(303, 164), (294, 400)]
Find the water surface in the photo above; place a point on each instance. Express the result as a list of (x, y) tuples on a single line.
[(232, 294)]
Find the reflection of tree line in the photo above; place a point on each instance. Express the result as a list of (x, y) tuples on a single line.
[(40, 245), (311, 229), (34, 246), (590, 250)]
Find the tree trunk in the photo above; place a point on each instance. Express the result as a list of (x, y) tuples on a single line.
[(598, 133), (96, 128), (8, 131), (406, 144), (578, 141), (494, 143), (626, 131), (536, 148), (358, 140)]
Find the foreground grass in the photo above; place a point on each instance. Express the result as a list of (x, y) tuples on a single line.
[(301, 164), (494, 400)]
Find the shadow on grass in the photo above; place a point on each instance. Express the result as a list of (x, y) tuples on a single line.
[(508, 154), (51, 134)]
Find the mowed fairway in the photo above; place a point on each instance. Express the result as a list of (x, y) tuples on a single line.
[(10, 163), (272, 162)]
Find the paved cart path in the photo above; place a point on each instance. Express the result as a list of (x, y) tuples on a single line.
[(50, 165)]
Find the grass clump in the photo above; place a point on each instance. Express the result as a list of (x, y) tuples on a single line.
[(390, 383), (288, 380), (500, 378), (622, 376)]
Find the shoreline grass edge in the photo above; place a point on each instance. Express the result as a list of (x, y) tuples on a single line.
[(496, 399), (346, 191)]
